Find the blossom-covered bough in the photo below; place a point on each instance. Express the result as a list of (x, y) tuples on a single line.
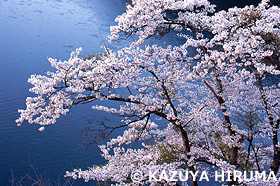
[(217, 110)]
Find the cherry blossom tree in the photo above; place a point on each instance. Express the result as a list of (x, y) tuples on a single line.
[(204, 105)]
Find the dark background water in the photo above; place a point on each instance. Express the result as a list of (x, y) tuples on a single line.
[(221, 5), (31, 30)]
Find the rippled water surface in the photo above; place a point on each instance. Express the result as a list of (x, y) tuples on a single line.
[(29, 32)]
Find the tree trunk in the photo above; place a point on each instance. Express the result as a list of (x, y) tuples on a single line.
[(187, 149), (276, 155)]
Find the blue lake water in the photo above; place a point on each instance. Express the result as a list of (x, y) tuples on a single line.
[(31, 30)]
